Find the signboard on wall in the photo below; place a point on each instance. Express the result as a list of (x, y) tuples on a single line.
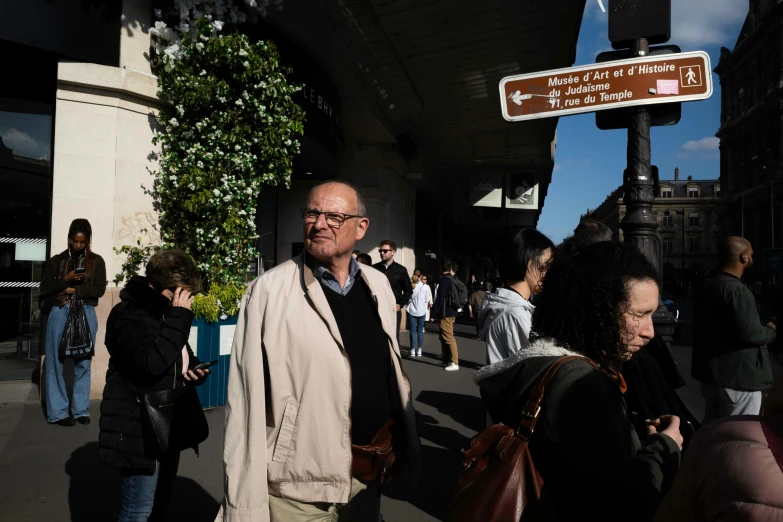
[(486, 190), (522, 192)]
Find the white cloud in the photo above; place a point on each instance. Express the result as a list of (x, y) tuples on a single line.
[(18, 140), (696, 23), (707, 144)]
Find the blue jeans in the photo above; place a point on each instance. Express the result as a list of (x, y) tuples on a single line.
[(417, 330), (146, 497), (56, 395)]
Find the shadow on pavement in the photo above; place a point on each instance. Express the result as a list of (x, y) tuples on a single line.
[(465, 409), (439, 479), (94, 491)]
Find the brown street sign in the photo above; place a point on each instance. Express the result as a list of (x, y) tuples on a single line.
[(609, 85)]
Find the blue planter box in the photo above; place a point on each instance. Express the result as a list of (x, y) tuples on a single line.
[(212, 341)]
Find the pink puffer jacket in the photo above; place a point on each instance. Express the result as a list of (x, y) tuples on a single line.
[(729, 474)]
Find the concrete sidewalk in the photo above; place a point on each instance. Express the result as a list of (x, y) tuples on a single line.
[(51, 473)]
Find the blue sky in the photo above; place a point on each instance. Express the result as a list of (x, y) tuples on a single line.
[(589, 162)]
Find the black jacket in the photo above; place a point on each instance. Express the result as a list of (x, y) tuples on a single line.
[(442, 306), (592, 462), (399, 280), (145, 337), (90, 290), (729, 340), (652, 378)]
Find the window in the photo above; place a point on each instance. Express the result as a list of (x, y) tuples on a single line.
[(667, 219), (667, 244), (693, 219), (717, 191), (666, 192), (694, 246), (693, 192)]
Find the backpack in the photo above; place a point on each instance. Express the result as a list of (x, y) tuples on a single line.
[(459, 293), (499, 481)]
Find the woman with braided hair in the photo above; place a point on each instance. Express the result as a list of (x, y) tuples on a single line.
[(77, 272), (596, 303)]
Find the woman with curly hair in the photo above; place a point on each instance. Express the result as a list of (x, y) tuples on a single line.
[(598, 304)]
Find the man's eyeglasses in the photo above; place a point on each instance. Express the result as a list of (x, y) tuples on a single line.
[(384, 250), (333, 219)]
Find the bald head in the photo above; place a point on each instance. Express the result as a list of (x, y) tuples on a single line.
[(735, 252), (346, 190)]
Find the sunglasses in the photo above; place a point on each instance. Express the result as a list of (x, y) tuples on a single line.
[(384, 250)]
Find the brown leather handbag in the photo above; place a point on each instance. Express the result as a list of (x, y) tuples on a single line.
[(499, 481), (373, 462)]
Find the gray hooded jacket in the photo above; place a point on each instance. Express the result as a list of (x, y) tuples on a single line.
[(504, 323)]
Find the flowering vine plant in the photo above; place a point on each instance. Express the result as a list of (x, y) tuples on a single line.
[(228, 126)]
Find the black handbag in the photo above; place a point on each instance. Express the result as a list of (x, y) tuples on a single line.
[(172, 421)]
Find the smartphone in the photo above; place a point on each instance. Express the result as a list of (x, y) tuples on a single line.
[(79, 270), (204, 365)]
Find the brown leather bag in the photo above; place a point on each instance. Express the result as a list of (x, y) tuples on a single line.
[(499, 481), (373, 462)]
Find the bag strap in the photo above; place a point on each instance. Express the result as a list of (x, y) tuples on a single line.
[(533, 405)]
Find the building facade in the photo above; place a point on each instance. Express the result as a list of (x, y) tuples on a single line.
[(687, 212), (407, 114), (751, 133)]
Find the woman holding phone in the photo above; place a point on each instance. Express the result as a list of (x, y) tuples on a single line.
[(147, 338), (77, 272)]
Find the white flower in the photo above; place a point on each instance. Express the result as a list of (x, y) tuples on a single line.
[(239, 102), (180, 110), (204, 38), (173, 122), (200, 165), (237, 147), (202, 73), (216, 240), (223, 317), (191, 186), (227, 198), (200, 47), (216, 192), (246, 64), (218, 25), (242, 52)]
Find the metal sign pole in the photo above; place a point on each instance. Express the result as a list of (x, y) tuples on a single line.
[(639, 224)]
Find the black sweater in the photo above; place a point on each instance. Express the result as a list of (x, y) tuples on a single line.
[(367, 346)]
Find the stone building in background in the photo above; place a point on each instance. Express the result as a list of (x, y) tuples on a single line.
[(751, 135), (687, 213)]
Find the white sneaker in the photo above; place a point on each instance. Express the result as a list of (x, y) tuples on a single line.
[(418, 353), (452, 367)]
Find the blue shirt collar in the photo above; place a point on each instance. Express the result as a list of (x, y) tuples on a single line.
[(329, 280)]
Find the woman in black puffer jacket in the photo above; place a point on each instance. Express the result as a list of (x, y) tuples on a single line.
[(147, 336)]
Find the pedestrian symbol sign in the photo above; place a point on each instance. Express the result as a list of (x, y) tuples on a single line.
[(690, 76)]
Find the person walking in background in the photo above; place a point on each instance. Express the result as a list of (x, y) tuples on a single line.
[(446, 313), (476, 300), (730, 356), (364, 259), (356, 254), (147, 339), (504, 322), (425, 280), (733, 470), (597, 305), (76, 273), (318, 403), (417, 313), (398, 278)]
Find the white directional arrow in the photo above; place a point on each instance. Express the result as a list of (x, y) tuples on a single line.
[(517, 97)]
